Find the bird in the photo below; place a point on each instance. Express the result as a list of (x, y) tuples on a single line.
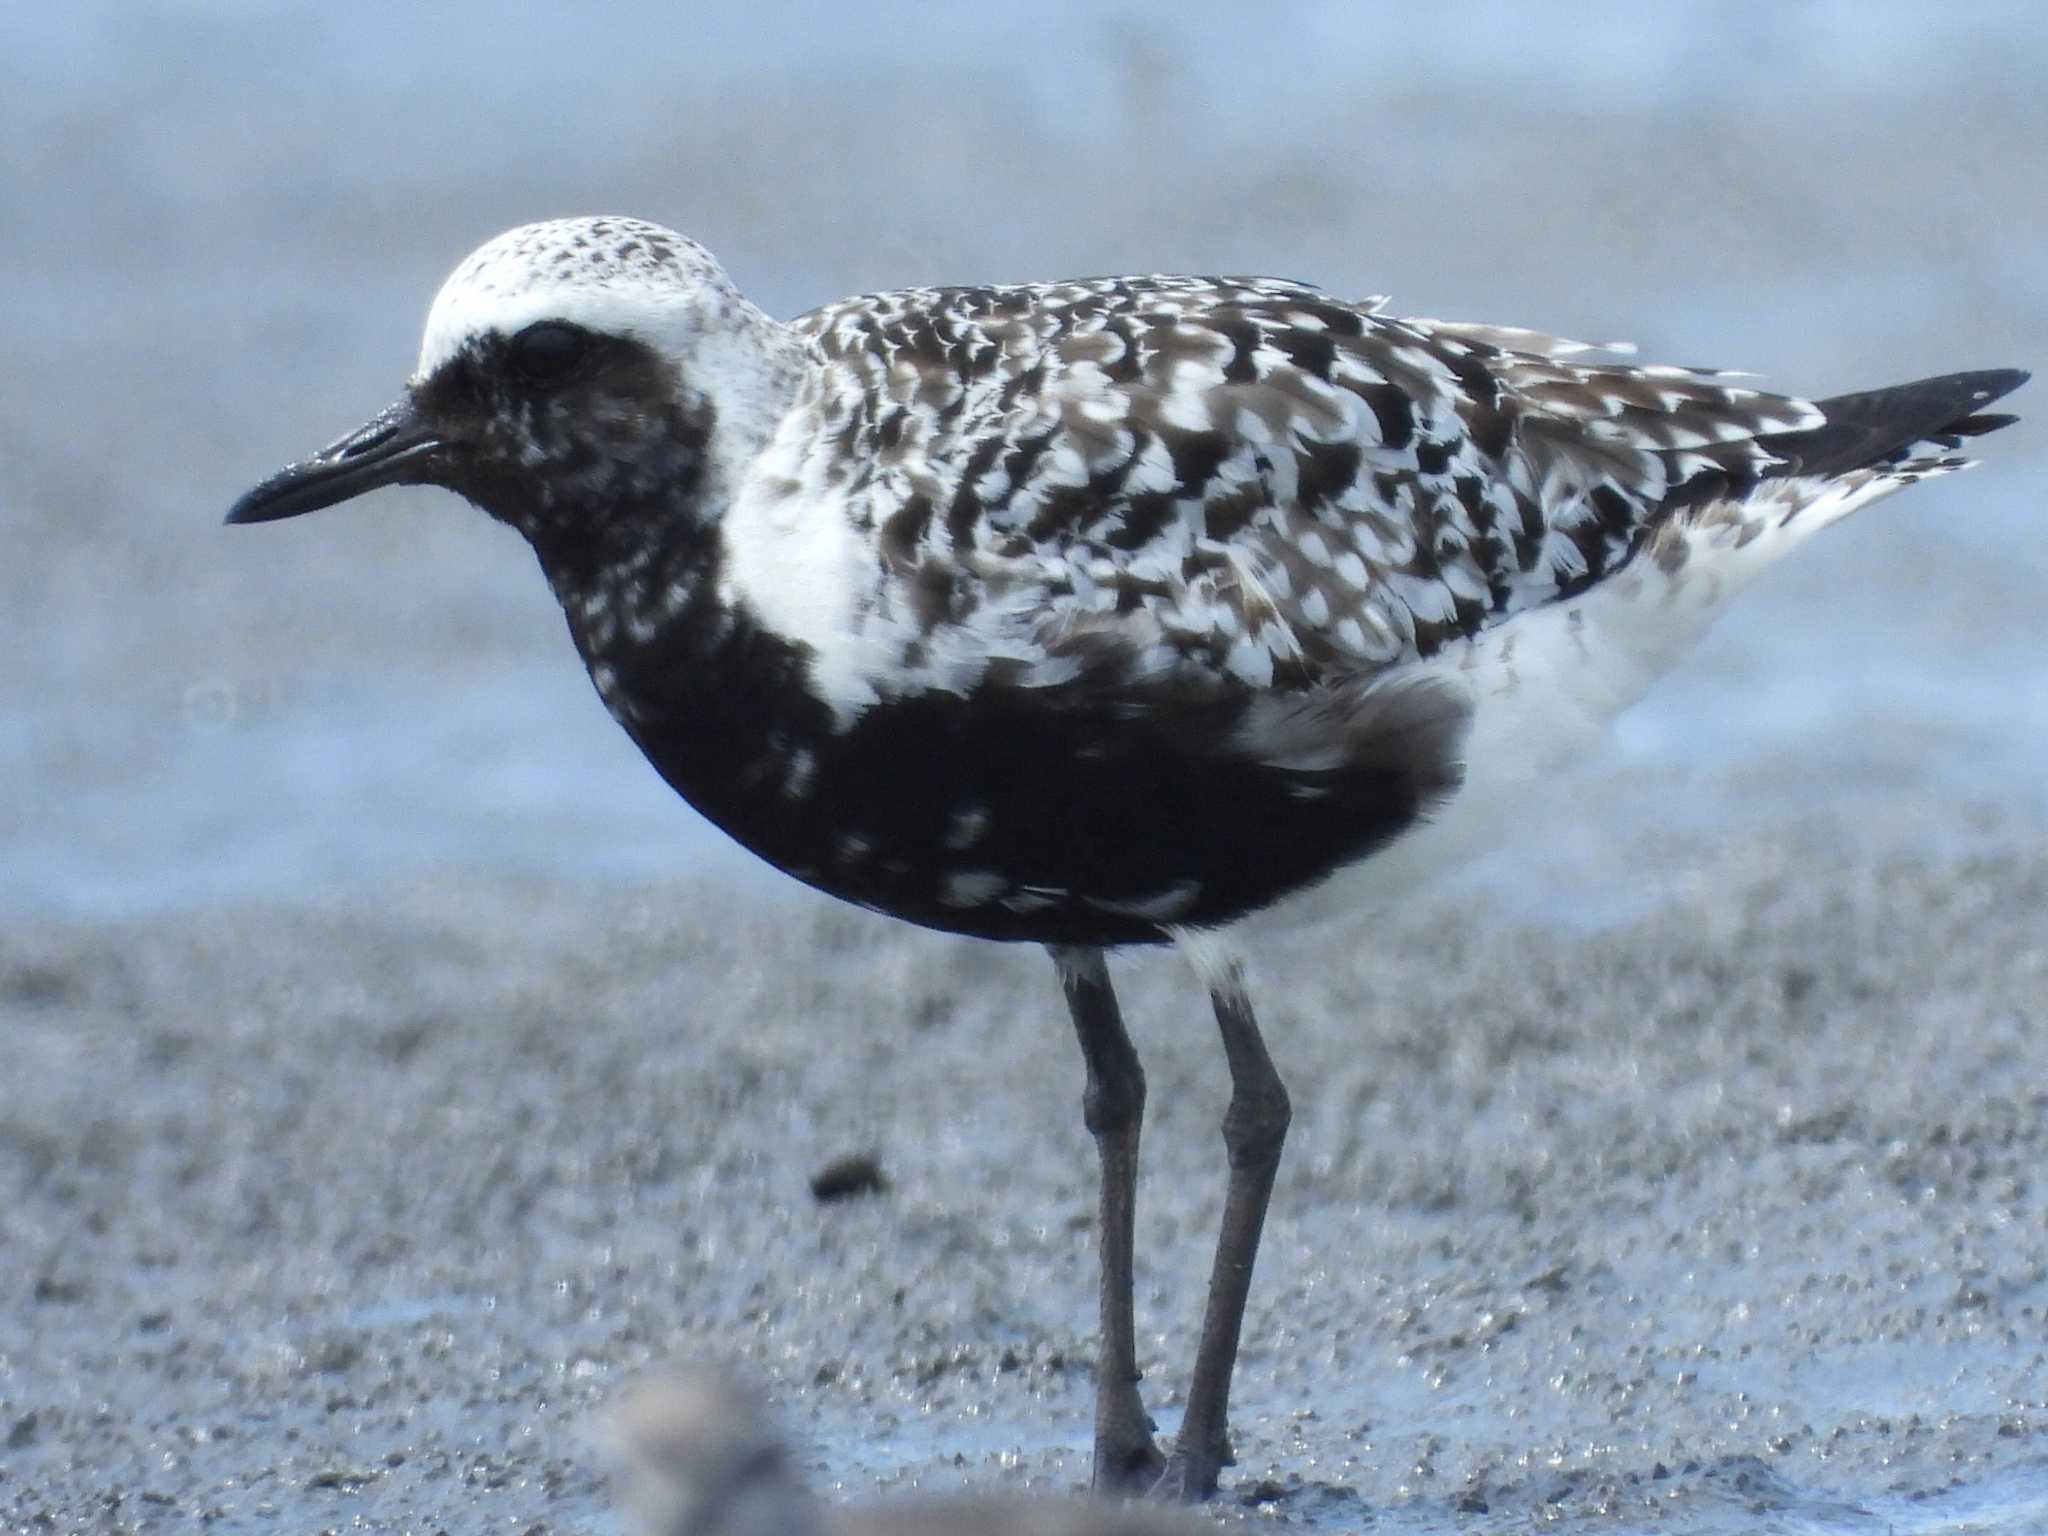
[(701, 1456), (1110, 612)]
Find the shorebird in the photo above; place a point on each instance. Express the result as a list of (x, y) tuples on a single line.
[(1107, 612), (702, 1458)]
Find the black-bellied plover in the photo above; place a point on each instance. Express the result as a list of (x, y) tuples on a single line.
[(1104, 612), (700, 1457)]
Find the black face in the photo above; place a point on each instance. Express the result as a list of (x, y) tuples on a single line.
[(552, 429)]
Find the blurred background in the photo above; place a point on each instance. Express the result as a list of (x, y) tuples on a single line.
[(223, 223)]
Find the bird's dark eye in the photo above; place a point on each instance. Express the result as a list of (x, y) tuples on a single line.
[(549, 353)]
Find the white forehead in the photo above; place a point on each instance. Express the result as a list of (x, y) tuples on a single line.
[(619, 276)]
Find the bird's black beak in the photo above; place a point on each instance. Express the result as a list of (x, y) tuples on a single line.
[(395, 448)]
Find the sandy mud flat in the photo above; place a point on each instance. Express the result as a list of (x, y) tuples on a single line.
[(317, 1215)]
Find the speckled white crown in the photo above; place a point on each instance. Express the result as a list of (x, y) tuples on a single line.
[(617, 275)]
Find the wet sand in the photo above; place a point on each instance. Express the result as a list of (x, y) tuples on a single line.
[(321, 1214)]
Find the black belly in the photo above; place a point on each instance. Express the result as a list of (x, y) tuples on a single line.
[(1019, 814)]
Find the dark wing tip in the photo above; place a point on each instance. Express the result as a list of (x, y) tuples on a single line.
[(1981, 388), (1977, 426), (1864, 428)]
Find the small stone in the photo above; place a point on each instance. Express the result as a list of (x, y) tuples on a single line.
[(857, 1173)]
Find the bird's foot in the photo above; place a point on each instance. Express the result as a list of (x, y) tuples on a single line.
[(1190, 1475), (1127, 1466)]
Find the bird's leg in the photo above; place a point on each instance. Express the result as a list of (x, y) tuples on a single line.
[(1254, 1128), (1113, 1107)]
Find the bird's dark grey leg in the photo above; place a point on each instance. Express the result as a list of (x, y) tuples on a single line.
[(1113, 1106), (1254, 1128)]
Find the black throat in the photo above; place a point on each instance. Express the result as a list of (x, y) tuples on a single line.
[(721, 707)]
